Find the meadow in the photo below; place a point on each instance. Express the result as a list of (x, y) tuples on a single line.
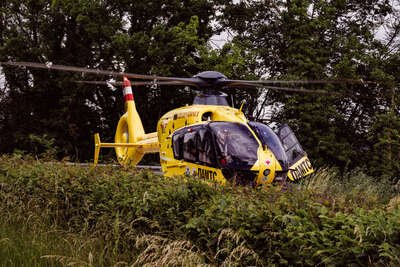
[(52, 214)]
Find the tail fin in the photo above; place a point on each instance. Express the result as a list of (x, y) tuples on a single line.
[(136, 130), (131, 142), (129, 130)]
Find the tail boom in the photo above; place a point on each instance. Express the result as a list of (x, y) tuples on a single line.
[(147, 144)]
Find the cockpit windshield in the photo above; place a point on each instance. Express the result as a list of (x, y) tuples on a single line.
[(236, 146), (269, 138)]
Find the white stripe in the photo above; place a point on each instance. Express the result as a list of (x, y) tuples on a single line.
[(127, 91)]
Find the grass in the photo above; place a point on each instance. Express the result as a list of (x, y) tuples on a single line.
[(19, 247), (56, 215), (28, 241)]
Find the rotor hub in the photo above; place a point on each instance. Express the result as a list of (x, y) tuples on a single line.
[(210, 75)]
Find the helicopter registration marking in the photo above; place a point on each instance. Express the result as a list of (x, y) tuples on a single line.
[(301, 169), (206, 174), (201, 173)]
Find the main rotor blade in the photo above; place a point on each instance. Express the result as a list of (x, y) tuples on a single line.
[(301, 90), (266, 82), (50, 66), (279, 88), (133, 83), (194, 81)]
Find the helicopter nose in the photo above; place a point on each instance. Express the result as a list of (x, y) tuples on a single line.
[(270, 169), (264, 176)]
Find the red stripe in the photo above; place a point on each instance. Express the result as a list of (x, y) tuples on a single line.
[(128, 97), (127, 83)]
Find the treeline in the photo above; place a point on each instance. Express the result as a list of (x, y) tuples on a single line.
[(48, 112)]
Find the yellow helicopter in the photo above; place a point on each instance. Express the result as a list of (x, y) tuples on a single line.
[(208, 139)]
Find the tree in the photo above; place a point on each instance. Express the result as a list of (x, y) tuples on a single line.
[(162, 37), (385, 140), (49, 103), (312, 39)]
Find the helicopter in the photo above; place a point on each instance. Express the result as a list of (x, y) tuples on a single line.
[(208, 139)]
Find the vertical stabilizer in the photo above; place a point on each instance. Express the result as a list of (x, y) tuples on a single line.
[(131, 143), (129, 130)]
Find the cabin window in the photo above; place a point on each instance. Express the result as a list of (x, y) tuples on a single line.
[(190, 152), (194, 144), (177, 145), (205, 147)]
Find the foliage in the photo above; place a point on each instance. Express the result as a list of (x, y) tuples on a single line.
[(158, 37), (299, 39), (385, 135), (127, 217), (312, 39)]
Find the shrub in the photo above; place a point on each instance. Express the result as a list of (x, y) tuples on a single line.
[(141, 218)]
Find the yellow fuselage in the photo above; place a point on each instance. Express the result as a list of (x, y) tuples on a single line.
[(131, 143)]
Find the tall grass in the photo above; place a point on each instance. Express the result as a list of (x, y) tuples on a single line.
[(53, 215), (350, 190)]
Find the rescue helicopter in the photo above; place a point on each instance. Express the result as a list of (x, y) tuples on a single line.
[(208, 139)]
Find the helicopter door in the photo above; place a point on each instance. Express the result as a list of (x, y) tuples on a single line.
[(299, 164), (206, 148)]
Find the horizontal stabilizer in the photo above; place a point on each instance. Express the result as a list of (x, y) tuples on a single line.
[(148, 143)]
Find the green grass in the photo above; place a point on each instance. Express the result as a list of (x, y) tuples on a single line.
[(54, 215), (28, 241), (19, 247)]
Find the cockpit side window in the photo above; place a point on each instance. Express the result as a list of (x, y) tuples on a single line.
[(235, 144), (292, 147)]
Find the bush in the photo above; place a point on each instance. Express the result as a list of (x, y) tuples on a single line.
[(141, 218)]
